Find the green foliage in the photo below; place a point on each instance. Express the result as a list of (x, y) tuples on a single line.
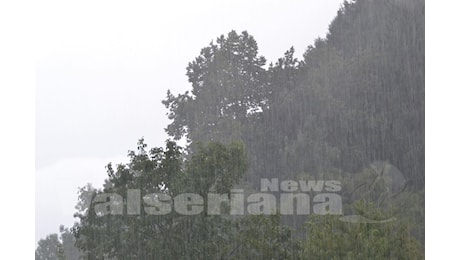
[(351, 108), (58, 247), (172, 236), (356, 97), (217, 168), (49, 248), (263, 237), (229, 87), (382, 186), (330, 238)]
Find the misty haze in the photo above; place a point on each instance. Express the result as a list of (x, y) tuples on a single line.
[(231, 130)]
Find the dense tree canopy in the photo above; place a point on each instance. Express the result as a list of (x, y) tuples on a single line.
[(213, 168), (356, 97)]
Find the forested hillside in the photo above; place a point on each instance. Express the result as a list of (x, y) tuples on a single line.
[(355, 97), (351, 109)]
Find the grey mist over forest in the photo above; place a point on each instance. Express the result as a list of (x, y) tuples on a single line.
[(100, 80), (334, 126)]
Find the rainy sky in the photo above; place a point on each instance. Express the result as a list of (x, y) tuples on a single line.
[(103, 67)]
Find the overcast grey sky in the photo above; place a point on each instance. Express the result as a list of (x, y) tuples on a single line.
[(103, 67)]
